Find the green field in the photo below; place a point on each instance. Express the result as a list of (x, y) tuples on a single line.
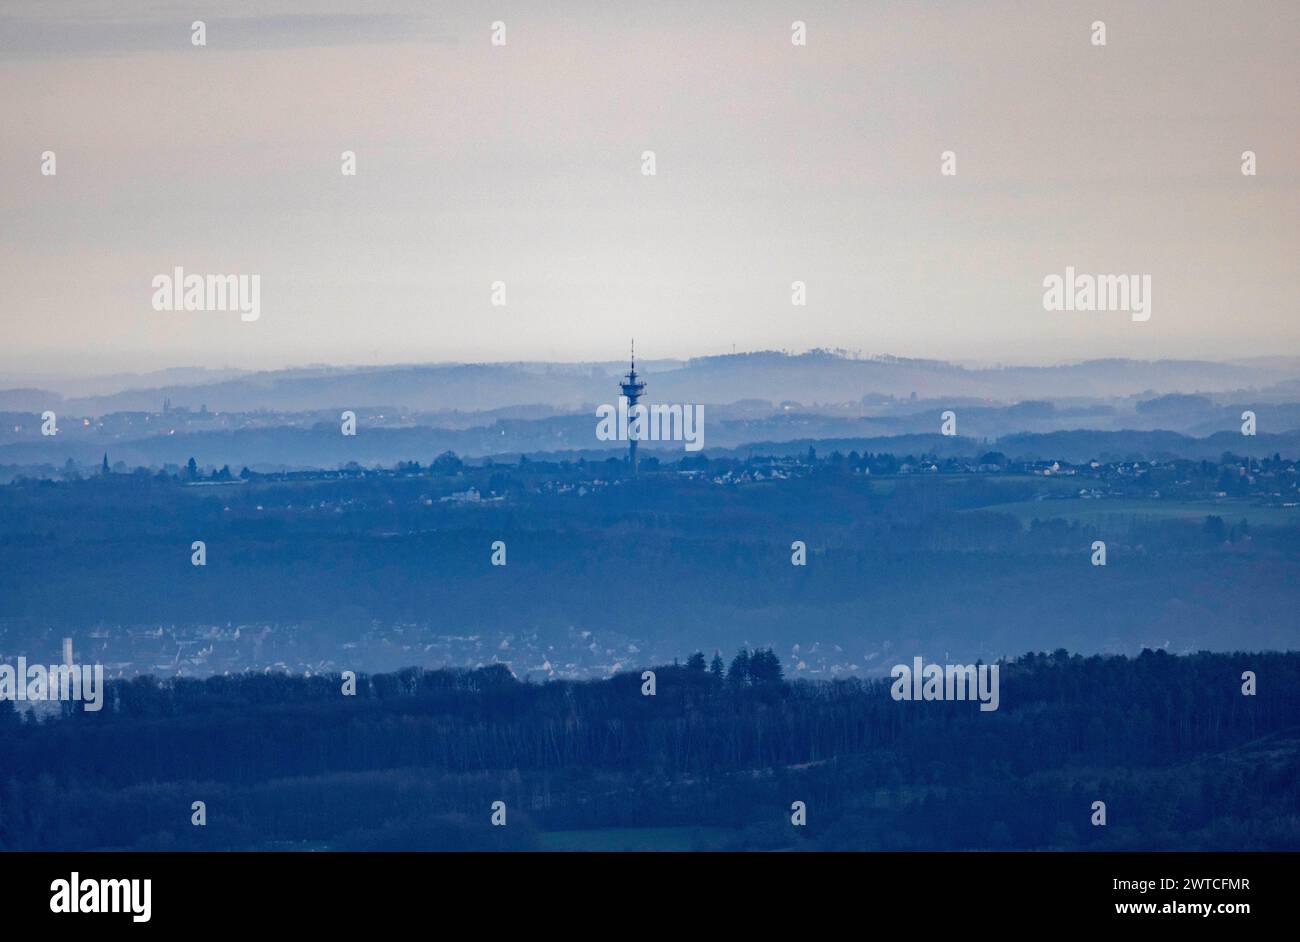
[(1101, 512), (635, 839)]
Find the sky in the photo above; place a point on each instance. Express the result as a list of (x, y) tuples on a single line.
[(522, 163)]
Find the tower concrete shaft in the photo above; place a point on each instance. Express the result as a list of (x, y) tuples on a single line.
[(632, 387)]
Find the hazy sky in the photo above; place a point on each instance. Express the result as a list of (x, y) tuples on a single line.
[(522, 164)]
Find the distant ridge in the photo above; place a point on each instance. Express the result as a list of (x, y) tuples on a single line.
[(816, 376)]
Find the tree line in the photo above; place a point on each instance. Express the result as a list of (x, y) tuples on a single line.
[(416, 757)]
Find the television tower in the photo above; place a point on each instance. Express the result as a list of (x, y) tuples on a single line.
[(632, 389)]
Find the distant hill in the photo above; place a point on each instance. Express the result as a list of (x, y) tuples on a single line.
[(771, 402), (807, 378)]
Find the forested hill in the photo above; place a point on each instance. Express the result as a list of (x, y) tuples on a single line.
[(415, 759)]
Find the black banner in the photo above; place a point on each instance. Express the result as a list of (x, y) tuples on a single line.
[(190, 891)]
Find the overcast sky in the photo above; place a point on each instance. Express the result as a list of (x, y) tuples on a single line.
[(522, 164)]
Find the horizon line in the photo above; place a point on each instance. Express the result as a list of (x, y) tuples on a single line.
[(852, 356)]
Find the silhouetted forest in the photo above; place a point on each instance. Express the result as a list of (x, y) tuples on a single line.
[(716, 756)]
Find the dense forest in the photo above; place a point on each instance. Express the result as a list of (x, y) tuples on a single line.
[(714, 759)]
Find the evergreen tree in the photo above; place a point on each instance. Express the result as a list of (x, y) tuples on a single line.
[(738, 673), (764, 668)]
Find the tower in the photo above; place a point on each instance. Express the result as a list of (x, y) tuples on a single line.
[(632, 389)]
